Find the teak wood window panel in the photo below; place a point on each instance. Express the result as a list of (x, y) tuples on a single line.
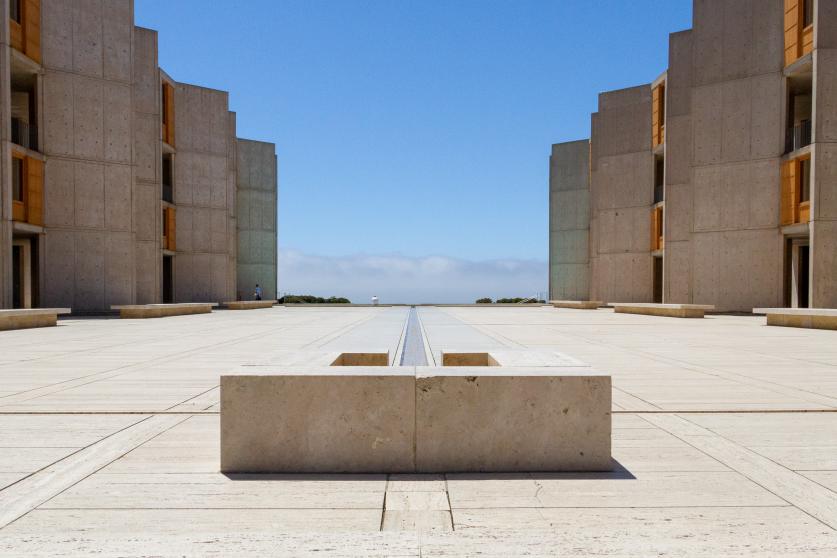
[(169, 229), (799, 29), (28, 192), (657, 241), (167, 96), (25, 34), (658, 111), (795, 205)]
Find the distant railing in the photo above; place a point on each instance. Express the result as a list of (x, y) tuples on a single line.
[(168, 193), (24, 135), (799, 136)]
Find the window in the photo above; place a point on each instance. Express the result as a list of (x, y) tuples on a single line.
[(805, 180), (807, 13), (659, 168), (14, 10), (18, 186), (168, 178)]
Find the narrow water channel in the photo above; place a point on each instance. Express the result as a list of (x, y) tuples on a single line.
[(413, 354)]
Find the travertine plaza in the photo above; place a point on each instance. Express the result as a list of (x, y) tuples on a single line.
[(723, 440), (150, 407)]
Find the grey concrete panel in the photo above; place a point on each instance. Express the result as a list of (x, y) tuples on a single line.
[(184, 229), (768, 39), (146, 254), (87, 37), (766, 125), (825, 96), (569, 166), (570, 247), (625, 230), (570, 210), (88, 118), (57, 34), (147, 147), (824, 166), (625, 180), (59, 193), (89, 195), (679, 77), (764, 188), (678, 213), (117, 190), (119, 269), (678, 163), (738, 38), (218, 270), (146, 205), (735, 123), (825, 25), (708, 35), (218, 226), (707, 124), (117, 26), (117, 122), (184, 284), (824, 264), (201, 229), (90, 271), (677, 272), (146, 90), (58, 113), (59, 273)]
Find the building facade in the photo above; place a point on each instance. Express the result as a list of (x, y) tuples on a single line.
[(717, 182), (119, 184)]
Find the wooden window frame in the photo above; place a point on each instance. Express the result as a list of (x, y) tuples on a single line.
[(19, 206), (25, 36), (657, 234), (31, 208), (799, 38), (793, 209), (658, 108), (167, 111)]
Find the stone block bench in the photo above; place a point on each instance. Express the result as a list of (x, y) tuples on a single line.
[(249, 304), (24, 318), (406, 420), (577, 304), (136, 311), (666, 310), (812, 318)]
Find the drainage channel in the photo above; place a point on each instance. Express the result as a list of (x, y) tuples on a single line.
[(413, 354)]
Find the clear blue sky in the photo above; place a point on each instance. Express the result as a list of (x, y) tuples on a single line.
[(414, 128)]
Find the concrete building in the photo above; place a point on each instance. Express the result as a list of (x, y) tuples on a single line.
[(727, 158), (119, 184)]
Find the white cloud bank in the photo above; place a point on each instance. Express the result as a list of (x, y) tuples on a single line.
[(403, 279)]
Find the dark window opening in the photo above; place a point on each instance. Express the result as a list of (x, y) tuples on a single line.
[(17, 277), (805, 180), (802, 284), (168, 280), (168, 178), (659, 174), (17, 179), (807, 13), (14, 10), (658, 280)]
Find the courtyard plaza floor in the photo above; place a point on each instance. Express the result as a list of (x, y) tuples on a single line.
[(724, 433)]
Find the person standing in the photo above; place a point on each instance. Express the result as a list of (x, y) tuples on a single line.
[(374, 301), (258, 293)]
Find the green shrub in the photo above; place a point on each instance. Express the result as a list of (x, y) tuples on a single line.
[(484, 301), (309, 299)]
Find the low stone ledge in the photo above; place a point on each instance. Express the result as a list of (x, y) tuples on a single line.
[(810, 318), (405, 419), (665, 310), (25, 318), (249, 304), (141, 311), (577, 304)]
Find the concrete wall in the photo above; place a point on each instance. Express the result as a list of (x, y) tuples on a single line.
[(621, 195), (5, 171), (569, 221), (256, 213), (204, 194), (736, 127), (824, 159), (87, 138), (147, 226)]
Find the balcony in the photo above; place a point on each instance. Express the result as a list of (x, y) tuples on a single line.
[(798, 136), (24, 135)]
